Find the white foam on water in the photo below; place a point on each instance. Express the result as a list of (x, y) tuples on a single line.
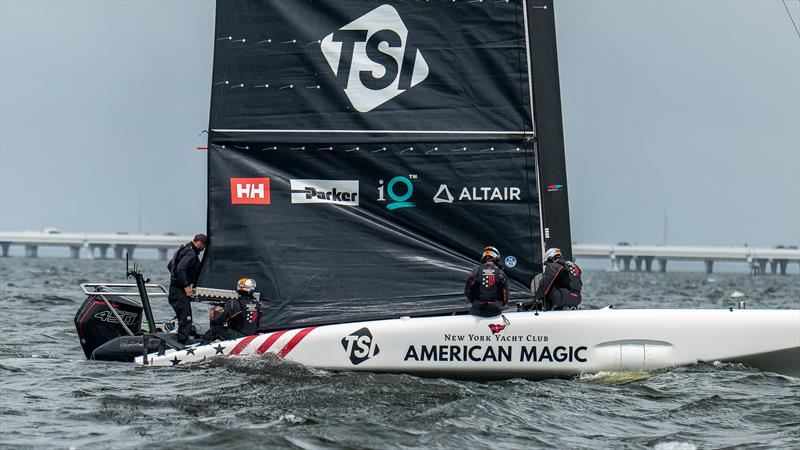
[(291, 419), (604, 377), (675, 446)]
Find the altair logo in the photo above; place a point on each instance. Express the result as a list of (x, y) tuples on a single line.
[(478, 194), (399, 195), (371, 59)]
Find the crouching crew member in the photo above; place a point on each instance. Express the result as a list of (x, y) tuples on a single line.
[(236, 317), (487, 286), (560, 285)]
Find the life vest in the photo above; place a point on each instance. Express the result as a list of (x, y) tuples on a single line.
[(488, 277), (247, 322), (176, 258), (574, 273)]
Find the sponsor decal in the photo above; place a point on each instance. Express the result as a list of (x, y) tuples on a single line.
[(495, 353), (372, 60), (128, 318), (496, 328), (511, 262), (360, 346), (250, 191), (336, 192), (399, 189), (478, 194), (443, 195), (487, 278), (555, 187)]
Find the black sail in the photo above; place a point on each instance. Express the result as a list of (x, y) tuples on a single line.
[(362, 153)]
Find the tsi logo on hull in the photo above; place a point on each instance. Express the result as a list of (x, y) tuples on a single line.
[(360, 346), (336, 192), (372, 60), (250, 191)]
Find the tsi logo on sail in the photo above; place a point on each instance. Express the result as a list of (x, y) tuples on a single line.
[(372, 60), (252, 191), (337, 192)]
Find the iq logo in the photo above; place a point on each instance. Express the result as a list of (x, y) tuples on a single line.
[(360, 346), (399, 189), (372, 60)]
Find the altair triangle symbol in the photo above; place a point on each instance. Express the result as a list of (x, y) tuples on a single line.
[(443, 191)]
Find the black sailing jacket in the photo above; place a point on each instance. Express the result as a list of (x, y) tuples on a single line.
[(184, 267)]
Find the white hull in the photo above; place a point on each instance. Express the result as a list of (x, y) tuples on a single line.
[(550, 344)]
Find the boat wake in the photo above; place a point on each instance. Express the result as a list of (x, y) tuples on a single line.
[(614, 378)]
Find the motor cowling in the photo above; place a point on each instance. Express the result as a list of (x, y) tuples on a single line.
[(96, 324)]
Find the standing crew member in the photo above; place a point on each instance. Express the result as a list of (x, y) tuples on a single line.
[(236, 317), (487, 286), (184, 267), (560, 285)]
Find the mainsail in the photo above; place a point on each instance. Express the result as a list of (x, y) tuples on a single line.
[(362, 153)]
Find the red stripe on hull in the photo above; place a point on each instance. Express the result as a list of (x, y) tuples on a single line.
[(268, 343), (294, 341), (241, 345)]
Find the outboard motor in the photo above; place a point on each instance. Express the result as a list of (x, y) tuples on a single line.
[(97, 325), (109, 322)]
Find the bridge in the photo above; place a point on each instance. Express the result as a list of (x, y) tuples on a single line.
[(622, 257), (97, 244), (640, 257)]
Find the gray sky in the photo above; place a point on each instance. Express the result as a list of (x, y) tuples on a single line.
[(692, 107)]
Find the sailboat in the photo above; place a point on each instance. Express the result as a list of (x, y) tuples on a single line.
[(361, 153)]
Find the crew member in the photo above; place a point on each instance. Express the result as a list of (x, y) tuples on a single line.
[(487, 286), (236, 317), (560, 284), (184, 267)]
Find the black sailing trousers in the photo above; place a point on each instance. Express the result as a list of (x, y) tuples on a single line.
[(183, 310)]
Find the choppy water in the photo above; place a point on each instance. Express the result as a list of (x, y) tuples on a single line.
[(53, 397)]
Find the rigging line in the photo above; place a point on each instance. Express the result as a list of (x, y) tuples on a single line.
[(791, 18)]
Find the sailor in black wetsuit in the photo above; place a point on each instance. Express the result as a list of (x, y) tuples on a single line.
[(184, 267), (236, 317), (487, 286), (560, 285)]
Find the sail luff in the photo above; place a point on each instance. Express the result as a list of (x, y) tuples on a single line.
[(549, 127)]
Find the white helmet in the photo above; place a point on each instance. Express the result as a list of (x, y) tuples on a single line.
[(552, 254), (490, 252), (246, 285)]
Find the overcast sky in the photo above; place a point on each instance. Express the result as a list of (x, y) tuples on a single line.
[(686, 107)]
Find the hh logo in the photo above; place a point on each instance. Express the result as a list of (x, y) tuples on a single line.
[(372, 60), (253, 191), (360, 346)]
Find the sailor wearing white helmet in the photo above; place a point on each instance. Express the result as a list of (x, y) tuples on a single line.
[(559, 286), (236, 317), (487, 286)]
